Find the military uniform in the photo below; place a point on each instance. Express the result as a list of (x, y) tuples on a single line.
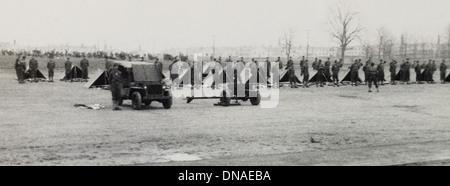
[(33, 68), (51, 69), (305, 73), (327, 69), (373, 77), (418, 70), (115, 79), (443, 69), (16, 67), (406, 67), (21, 66), (280, 63), (84, 64), (381, 74), (354, 73), (159, 68), (320, 74), (68, 67), (393, 70), (428, 76), (433, 70), (335, 68), (291, 72)]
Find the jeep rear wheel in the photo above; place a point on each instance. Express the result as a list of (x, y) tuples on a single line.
[(136, 101)]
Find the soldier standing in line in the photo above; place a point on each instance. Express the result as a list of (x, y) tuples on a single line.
[(68, 67), (280, 63), (427, 72), (393, 70), (335, 68), (291, 72), (433, 70), (406, 67), (366, 70), (373, 74), (115, 79), (268, 67), (20, 66), (443, 69), (305, 73), (381, 74), (84, 64), (320, 74), (327, 69), (418, 69), (302, 62), (16, 66), (51, 69), (33, 65), (354, 72)]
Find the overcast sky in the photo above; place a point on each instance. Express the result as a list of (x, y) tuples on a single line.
[(160, 24)]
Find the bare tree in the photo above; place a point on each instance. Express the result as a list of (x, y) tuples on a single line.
[(385, 43), (368, 50), (287, 42), (344, 27), (448, 42), (415, 47)]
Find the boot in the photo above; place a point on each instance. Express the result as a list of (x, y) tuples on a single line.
[(114, 105)]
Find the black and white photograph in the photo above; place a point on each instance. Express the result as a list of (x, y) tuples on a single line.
[(200, 83)]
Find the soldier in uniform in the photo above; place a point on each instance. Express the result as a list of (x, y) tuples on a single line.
[(16, 66), (354, 72), (268, 67), (433, 70), (20, 66), (443, 69), (406, 67), (327, 69), (291, 72), (381, 74), (314, 64), (373, 75), (84, 64), (305, 73), (51, 69), (33, 65), (393, 70), (115, 79), (302, 62), (418, 69), (159, 68), (320, 74), (335, 68), (428, 69), (280, 63), (366, 70), (68, 67)]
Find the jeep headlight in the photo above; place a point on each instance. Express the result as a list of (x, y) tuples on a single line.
[(145, 87)]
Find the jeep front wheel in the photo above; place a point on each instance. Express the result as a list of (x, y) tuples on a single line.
[(256, 100), (167, 103), (136, 101)]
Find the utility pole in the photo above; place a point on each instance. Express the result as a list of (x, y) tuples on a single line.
[(307, 44), (214, 48)]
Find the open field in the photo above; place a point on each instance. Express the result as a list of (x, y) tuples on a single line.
[(400, 125)]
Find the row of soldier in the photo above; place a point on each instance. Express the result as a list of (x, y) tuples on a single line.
[(20, 67)]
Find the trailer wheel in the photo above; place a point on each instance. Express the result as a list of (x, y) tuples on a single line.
[(224, 100), (256, 100)]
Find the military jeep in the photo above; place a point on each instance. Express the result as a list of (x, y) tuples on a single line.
[(143, 84)]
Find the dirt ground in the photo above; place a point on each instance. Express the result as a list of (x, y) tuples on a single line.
[(318, 126)]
